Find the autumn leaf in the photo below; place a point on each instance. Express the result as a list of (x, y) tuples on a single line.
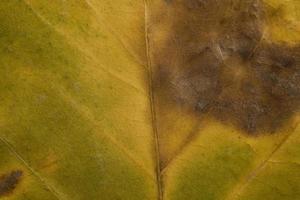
[(157, 100)]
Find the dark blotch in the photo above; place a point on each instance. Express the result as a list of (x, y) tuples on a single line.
[(216, 63), (8, 182)]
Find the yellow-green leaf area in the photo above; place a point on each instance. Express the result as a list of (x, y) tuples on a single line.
[(65, 116), (209, 174)]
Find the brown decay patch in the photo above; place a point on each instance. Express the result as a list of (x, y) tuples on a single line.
[(215, 62), (8, 182)]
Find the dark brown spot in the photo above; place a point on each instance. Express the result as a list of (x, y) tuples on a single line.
[(215, 62), (8, 182)]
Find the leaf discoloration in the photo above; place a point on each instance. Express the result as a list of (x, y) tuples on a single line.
[(215, 62), (9, 181)]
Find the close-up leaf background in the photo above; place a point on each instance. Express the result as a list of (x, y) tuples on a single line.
[(90, 111)]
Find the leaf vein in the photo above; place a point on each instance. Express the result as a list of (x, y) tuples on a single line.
[(254, 173), (73, 45), (31, 169), (152, 106)]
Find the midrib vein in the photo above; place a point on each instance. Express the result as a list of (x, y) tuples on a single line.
[(149, 71), (152, 106)]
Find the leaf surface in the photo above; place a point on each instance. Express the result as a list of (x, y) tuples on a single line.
[(115, 99), (75, 112)]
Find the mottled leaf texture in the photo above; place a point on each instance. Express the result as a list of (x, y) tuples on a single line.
[(149, 100)]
